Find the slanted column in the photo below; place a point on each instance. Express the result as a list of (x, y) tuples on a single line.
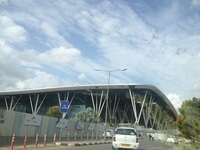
[(141, 109), (34, 106), (131, 93), (98, 103), (12, 104)]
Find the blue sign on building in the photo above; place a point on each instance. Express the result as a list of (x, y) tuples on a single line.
[(64, 106)]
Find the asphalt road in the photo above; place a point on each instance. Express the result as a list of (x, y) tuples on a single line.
[(144, 145)]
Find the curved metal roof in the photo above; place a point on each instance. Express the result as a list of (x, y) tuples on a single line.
[(162, 99)]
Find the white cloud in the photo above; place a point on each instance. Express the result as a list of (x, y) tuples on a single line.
[(11, 32), (196, 87), (60, 55), (29, 58), (54, 37), (3, 2), (175, 100), (9, 63), (53, 57), (82, 76), (38, 80), (195, 2)]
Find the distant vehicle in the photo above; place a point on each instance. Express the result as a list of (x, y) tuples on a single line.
[(172, 140), (180, 139), (108, 134), (125, 138), (188, 141)]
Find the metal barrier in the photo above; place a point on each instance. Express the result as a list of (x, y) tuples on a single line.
[(12, 142), (80, 135), (25, 140), (67, 135), (36, 140)]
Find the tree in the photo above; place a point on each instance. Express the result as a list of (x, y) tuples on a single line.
[(189, 119), (89, 115), (54, 111)]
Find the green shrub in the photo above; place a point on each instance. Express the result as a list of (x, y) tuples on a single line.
[(190, 147)]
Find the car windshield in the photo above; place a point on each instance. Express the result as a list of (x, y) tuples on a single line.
[(125, 132)]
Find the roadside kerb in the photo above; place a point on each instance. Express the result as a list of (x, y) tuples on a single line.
[(64, 143), (72, 143)]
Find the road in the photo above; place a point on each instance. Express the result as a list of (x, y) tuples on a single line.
[(144, 145)]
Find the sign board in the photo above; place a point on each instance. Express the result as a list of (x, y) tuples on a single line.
[(62, 123), (32, 120), (64, 106)]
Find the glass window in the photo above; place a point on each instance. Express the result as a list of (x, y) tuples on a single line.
[(125, 132)]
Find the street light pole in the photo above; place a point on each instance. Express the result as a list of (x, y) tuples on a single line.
[(107, 94), (106, 112)]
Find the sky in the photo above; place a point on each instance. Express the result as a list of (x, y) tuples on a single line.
[(52, 43)]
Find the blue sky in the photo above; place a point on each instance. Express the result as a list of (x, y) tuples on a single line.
[(59, 43)]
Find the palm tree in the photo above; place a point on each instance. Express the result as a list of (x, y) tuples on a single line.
[(89, 115)]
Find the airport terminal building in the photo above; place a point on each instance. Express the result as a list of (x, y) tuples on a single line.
[(143, 105)]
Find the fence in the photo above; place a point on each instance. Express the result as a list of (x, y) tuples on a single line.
[(31, 129)]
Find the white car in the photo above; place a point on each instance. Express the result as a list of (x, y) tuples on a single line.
[(188, 141), (125, 137), (108, 134), (172, 140)]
